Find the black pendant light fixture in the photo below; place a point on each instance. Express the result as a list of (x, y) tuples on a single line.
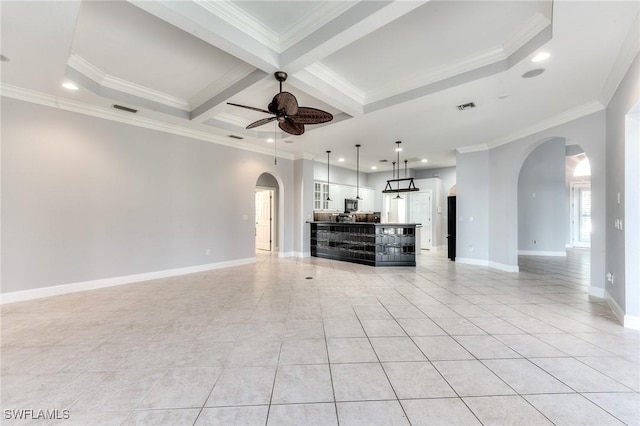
[(328, 198), (398, 149), (410, 187), (358, 172)]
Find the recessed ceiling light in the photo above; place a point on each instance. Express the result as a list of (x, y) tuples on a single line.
[(270, 140), (533, 73), (374, 168), (541, 56), (341, 160), (424, 160), (69, 85)]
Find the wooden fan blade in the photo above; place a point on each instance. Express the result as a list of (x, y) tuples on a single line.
[(252, 108), (261, 122), (291, 127), (284, 101), (307, 115)]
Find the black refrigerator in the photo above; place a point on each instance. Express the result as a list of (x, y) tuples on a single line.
[(451, 227)]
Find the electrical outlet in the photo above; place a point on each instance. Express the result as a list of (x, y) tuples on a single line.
[(610, 277)]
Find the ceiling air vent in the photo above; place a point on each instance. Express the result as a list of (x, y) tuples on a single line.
[(124, 108), (466, 106), (235, 137)]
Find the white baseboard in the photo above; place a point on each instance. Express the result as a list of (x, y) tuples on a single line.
[(56, 290), (627, 321), (632, 322), (488, 263), (504, 267), (542, 253), (597, 292), (290, 254)]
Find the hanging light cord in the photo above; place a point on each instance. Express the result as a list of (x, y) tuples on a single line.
[(275, 139)]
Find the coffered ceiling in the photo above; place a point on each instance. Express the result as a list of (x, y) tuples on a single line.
[(386, 70)]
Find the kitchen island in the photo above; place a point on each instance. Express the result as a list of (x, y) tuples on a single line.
[(374, 244)]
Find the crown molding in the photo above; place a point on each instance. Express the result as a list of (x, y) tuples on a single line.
[(331, 78), (243, 21), (227, 80), (322, 14), (488, 57), (39, 98), (530, 29), (562, 118), (626, 56), (472, 148), (103, 79)]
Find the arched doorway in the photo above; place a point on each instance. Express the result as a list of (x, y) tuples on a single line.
[(554, 210), (267, 195)]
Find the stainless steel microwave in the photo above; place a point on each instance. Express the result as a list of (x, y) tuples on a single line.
[(350, 205)]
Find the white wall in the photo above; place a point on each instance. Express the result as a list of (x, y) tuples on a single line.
[(86, 199), (622, 159)]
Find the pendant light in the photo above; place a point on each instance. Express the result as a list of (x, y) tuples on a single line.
[(358, 172), (328, 198), (398, 149)]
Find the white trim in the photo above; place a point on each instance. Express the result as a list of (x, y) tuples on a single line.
[(37, 293), (504, 267), (632, 322), (288, 254), (488, 263), (557, 120), (103, 79), (472, 148), (475, 262), (627, 321), (596, 292), (628, 52), (542, 253), (126, 118)]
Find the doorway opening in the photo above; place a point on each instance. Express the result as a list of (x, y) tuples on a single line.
[(578, 177), (266, 213), (420, 208)]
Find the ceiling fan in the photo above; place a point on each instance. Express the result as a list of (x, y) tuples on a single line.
[(284, 108)]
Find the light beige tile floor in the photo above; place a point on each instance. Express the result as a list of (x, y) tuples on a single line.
[(318, 342)]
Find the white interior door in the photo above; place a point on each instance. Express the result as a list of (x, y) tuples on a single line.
[(264, 218), (421, 213)]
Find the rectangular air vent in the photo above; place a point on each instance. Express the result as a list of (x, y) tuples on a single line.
[(466, 106), (124, 108), (235, 137)]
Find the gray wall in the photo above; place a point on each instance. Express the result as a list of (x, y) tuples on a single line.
[(502, 165), (85, 198), (542, 213), (337, 174), (623, 158), (472, 205)]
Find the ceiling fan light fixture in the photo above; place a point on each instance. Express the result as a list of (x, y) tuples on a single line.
[(284, 109)]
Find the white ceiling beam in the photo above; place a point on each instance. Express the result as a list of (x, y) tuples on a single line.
[(197, 20)]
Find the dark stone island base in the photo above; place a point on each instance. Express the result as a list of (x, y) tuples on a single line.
[(374, 244)]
